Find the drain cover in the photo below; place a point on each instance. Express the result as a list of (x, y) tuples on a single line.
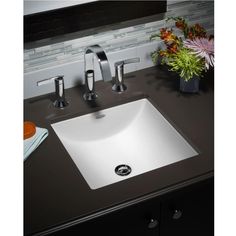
[(123, 170)]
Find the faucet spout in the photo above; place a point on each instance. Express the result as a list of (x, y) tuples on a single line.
[(102, 59)]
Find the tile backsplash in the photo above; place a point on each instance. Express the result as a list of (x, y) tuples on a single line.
[(67, 57)]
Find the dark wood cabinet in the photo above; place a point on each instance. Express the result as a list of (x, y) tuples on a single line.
[(189, 211), (186, 211), (139, 219)]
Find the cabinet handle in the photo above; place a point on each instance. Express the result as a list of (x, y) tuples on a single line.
[(177, 214), (153, 223)]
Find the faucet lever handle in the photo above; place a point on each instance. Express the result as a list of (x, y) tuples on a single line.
[(119, 85), (59, 89), (49, 80), (131, 60), (127, 61)]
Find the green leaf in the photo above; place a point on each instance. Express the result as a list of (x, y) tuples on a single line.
[(154, 37), (186, 64)]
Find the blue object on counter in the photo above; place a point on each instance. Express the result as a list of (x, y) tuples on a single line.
[(32, 143)]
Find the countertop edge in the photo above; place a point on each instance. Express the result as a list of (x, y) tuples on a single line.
[(129, 203)]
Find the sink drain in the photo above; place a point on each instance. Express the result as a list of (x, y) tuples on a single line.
[(123, 170)]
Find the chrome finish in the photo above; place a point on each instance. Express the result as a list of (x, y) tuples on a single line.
[(123, 170), (177, 214), (60, 101), (153, 223), (45, 81), (89, 82), (104, 66), (119, 85)]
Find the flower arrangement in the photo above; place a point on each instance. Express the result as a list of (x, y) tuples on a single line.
[(189, 55)]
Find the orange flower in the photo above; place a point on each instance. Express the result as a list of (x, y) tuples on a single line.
[(180, 24), (198, 31), (172, 48), (198, 27), (162, 53), (166, 35), (190, 35)]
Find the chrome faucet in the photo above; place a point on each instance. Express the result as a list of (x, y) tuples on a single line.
[(119, 85), (89, 74), (60, 101)]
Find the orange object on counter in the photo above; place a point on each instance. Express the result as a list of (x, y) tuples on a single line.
[(29, 129)]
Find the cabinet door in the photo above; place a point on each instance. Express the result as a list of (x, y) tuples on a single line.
[(139, 219), (189, 211)]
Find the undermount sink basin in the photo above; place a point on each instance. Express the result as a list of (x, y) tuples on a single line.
[(121, 142)]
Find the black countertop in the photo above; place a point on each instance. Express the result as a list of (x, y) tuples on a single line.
[(56, 194)]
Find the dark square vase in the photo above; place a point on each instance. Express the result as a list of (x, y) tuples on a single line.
[(191, 86)]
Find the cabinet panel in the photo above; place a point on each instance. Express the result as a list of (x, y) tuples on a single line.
[(189, 211), (139, 219)]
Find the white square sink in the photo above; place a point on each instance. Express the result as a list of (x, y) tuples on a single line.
[(121, 142)]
